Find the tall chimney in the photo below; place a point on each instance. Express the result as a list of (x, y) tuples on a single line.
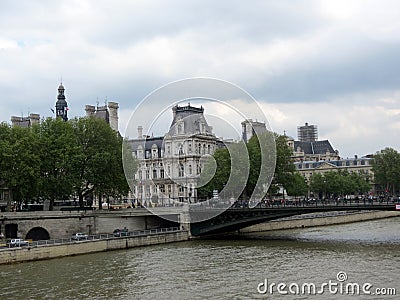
[(34, 118), (113, 111), (89, 110), (140, 132)]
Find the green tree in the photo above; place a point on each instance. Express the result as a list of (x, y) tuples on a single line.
[(215, 173), (285, 168), (386, 168), (297, 185), (98, 162), (19, 166), (317, 184), (57, 149)]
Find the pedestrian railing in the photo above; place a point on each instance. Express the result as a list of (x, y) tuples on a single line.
[(102, 236)]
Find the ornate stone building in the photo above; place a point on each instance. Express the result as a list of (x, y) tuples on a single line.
[(170, 166), (361, 165)]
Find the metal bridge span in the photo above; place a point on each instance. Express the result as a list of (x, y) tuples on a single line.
[(237, 218)]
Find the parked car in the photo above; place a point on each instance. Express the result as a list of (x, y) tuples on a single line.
[(120, 232), (17, 243), (79, 236)]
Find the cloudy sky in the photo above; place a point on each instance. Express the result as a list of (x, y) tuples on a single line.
[(335, 64)]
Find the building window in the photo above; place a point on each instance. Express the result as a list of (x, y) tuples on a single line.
[(198, 169), (180, 149), (209, 149), (190, 148), (147, 174), (162, 188), (181, 170), (190, 169), (154, 174), (162, 173), (140, 175)]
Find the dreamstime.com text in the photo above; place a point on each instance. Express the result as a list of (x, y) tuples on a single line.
[(340, 286)]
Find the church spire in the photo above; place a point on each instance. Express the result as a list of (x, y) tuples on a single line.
[(61, 104)]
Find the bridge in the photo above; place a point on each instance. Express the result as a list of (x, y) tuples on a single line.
[(236, 218), (48, 225)]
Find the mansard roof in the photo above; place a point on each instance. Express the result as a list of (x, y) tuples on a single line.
[(147, 143), (316, 147), (192, 119)]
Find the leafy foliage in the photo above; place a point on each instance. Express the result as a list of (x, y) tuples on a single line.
[(56, 159), (386, 167)]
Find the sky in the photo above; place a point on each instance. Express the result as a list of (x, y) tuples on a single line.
[(335, 64)]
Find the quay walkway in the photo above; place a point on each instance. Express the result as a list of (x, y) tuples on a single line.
[(47, 249)]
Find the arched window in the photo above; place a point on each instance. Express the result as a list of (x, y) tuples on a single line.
[(190, 169)]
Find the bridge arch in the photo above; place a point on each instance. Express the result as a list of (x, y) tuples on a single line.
[(38, 233)]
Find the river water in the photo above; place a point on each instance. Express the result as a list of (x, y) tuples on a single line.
[(234, 268)]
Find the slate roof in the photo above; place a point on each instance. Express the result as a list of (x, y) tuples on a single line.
[(317, 147), (147, 144), (192, 118)]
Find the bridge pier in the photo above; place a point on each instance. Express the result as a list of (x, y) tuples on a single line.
[(184, 220)]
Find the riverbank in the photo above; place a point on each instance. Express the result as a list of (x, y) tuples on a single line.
[(41, 252), (319, 219)]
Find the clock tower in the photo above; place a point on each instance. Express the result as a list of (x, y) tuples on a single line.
[(61, 104)]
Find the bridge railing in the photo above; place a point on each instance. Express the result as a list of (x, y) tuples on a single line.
[(279, 203)]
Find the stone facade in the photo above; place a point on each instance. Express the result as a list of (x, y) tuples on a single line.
[(107, 112), (170, 166), (359, 165)]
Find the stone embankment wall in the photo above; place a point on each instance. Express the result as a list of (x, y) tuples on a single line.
[(82, 247), (312, 221)]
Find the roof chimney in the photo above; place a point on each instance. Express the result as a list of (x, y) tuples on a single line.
[(140, 132)]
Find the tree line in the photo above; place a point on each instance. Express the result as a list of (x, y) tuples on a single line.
[(386, 168), (55, 160)]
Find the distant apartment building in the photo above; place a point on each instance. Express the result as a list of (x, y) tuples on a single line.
[(311, 156), (308, 148), (362, 165)]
